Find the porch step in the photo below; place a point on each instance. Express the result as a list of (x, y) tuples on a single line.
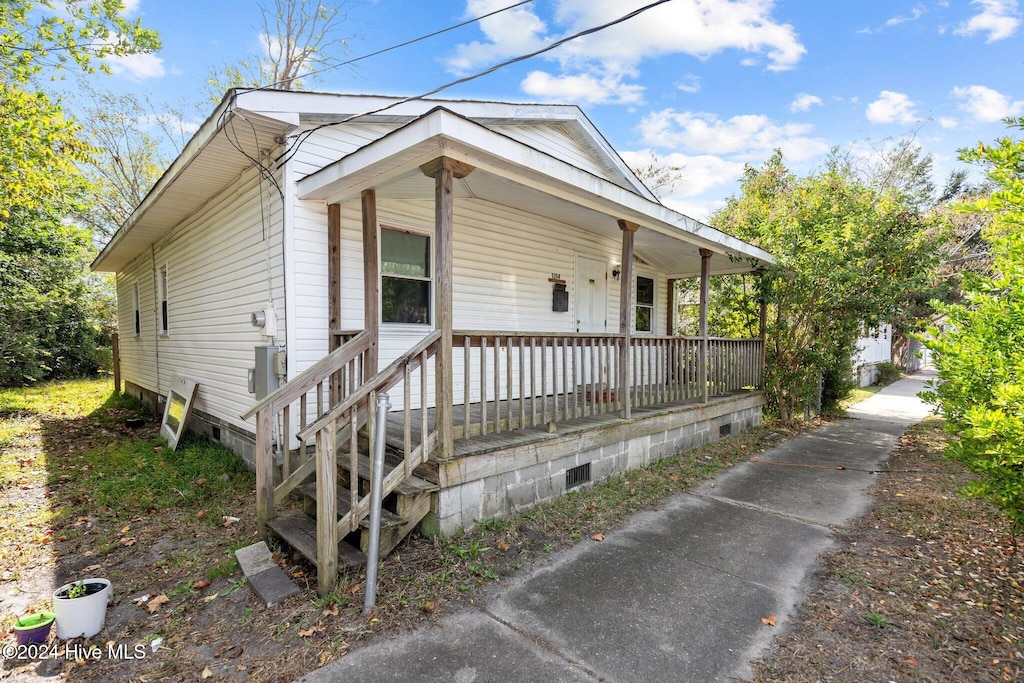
[(299, 531), (410, 486), (388, 519)]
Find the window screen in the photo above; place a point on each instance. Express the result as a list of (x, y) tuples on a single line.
[(405, 277), (644, 304)]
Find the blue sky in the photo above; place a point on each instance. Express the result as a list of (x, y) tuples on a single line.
[(709, 85)]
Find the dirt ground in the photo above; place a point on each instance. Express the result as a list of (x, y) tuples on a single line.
[(927, 587)]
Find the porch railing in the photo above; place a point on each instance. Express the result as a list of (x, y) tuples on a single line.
[(517, 380)]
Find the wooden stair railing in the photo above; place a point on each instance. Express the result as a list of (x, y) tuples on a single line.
[(341, 424), (333, 377)]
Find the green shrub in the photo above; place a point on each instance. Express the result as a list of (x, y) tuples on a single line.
[(887, 374), (979, 352)]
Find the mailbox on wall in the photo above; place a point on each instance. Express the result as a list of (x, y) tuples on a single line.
[(559, 297)]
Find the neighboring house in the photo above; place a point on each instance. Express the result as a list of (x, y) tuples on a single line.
[(495, 268), (874, 347)]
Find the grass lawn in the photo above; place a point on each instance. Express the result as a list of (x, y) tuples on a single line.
[(81, 494)]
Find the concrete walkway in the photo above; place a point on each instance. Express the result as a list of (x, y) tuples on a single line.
[(677, 594)]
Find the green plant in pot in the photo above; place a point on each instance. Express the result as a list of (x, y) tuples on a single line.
[(35, 628), (81, 607)]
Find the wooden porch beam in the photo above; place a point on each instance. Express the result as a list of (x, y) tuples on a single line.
[(444, 172), (458, 169), (626, 315), (705, 285), (371, 281)]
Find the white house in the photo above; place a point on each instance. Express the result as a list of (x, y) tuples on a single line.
[(495, 268), (874, 347)]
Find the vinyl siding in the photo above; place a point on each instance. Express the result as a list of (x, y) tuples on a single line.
[(557, 142), (220, 268)]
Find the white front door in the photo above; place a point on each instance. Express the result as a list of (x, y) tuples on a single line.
[(591, 294)]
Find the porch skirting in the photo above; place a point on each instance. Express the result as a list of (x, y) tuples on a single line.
[(529, 467)]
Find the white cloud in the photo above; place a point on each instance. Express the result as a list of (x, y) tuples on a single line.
[(170, 124), (804, 102), (584, 88), (138, 67), (915, 14), (131, 7), (690, 83), (749, 137), (948, 122), (892, 107), (986, 104), (998, 18), (510, 33), (701, 28), (699, 173)]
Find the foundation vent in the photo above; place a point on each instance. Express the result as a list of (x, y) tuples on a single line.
[(725, 430), (577, 476)]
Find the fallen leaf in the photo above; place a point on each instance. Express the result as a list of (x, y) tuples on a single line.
[(310, 631), (592, 506), (229, 520), (156, 603), (93, 567), (206, 673), (356, 588), (597, 537), (126, 528), (429, 606), (770, 620), (911, 661), (200, 585), (201, 514), (200, 481), (126, 542), (331, 611), (673, 478), (503, 547), (728, 464)]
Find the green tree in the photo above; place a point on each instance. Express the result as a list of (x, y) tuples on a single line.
[(979, 349), (847, 255), (47, 325)]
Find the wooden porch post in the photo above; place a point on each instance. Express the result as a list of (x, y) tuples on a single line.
[(264, 461), (705, 282), (763, 330), (625, 315), (670, 313), (444, 171), (334, 290), (371, 282), (115, 352)]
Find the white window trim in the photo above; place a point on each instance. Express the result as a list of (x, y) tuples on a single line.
[(163, 279), (650, 275), (410, 327)]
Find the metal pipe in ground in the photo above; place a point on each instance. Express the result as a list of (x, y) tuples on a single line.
[(376, 495)]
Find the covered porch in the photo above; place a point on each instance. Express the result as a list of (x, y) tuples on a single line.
[(459, 394)]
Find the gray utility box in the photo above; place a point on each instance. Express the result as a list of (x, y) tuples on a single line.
[(265, 375)]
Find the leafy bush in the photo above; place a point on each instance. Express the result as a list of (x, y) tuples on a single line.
[(979, 351), (887, 374)]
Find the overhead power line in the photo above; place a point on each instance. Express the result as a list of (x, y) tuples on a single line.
[(302, 137), (317, 72)]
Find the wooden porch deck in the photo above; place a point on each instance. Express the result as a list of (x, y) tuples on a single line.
[(593, 415)]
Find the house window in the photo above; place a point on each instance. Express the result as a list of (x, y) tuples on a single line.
[(162, 292), (137, 309), (644, 304), (405, 277)]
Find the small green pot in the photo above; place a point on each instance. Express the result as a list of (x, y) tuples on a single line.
[(35, 628)]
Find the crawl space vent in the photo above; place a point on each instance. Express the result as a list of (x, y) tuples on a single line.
[(725, 430), (577, 476)]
